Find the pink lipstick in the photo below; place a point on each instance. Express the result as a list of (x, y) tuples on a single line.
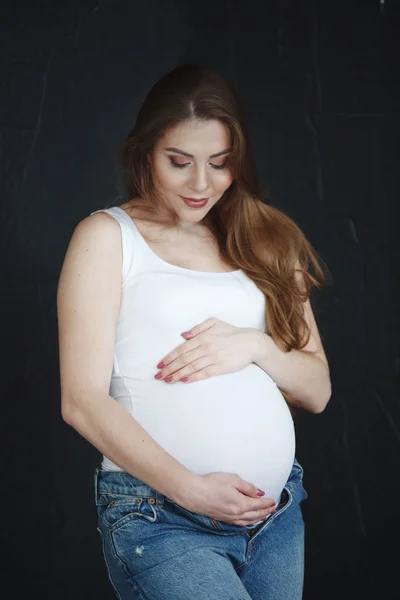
[(195, 203)]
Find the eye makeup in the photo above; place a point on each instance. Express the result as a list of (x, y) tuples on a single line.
[(182, 165)]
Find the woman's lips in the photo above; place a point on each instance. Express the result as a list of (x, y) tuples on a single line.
[(193, 203)]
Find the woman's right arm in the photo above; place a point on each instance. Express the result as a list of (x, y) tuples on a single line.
[(88, 300)]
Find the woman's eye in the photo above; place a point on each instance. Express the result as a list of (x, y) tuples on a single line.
[(178, 165), (182, 165)]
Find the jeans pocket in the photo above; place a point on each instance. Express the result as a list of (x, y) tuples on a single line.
[(123, 508)]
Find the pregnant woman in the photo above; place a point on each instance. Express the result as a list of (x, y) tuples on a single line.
[(186, 340)]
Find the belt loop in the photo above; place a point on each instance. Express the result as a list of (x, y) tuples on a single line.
[(96, 475), (159, 499)]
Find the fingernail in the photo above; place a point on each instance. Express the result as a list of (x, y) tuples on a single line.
[(169, 378), (186, 333), (260, 492), (160, 365), (158, 376), (184, 378)]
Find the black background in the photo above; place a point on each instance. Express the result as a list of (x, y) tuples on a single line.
[(321, 91)]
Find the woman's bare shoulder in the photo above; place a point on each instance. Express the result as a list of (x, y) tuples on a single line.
[(99, 223), (93, 239)]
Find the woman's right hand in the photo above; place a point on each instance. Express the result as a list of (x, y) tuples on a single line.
[(229, 498)]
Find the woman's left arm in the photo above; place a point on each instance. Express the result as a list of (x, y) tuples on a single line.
[(303, 374)]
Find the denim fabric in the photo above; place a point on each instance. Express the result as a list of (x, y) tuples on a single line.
[(155, 549)]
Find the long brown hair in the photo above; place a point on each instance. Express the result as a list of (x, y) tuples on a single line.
[(252, 235)]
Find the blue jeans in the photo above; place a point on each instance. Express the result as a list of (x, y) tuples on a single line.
[(155, 549)]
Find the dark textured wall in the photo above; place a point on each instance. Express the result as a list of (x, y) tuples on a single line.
[(320, 87)]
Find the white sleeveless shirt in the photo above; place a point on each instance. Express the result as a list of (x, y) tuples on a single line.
[(237, 422)]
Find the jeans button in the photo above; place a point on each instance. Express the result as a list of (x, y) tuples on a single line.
[(152, 500)]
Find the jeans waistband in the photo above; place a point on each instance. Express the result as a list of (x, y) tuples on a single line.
[(121, 482)]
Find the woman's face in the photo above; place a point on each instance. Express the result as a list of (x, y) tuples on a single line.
[(189, 161)]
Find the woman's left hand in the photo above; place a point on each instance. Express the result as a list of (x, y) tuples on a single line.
[(213, 348)]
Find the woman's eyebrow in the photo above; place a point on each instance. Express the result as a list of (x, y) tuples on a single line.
[(177, 151)]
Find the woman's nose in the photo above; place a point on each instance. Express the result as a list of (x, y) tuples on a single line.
[(199, 180)]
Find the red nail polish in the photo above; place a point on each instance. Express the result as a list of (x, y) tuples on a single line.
[(260, 492), (169, 378), (158, 376), (184, 378), (160, 365)]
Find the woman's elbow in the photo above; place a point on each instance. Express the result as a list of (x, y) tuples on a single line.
[(321, 401), (68, 410)]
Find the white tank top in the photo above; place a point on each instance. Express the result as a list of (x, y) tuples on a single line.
[(237, 422)]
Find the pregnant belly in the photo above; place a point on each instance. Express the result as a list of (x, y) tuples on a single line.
[(237, 423)]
